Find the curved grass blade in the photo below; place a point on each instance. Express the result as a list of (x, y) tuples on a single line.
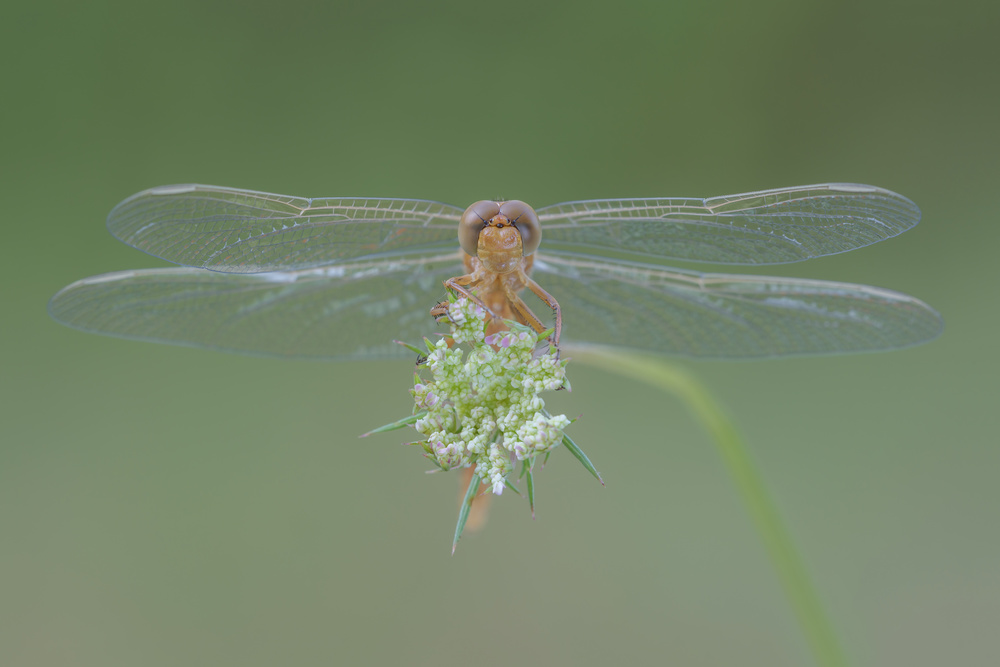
[(777, 541)]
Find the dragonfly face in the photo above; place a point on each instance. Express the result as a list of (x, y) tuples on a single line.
[(340, 278), (500, 234)]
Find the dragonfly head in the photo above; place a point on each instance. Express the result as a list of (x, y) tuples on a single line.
[(500, 234)]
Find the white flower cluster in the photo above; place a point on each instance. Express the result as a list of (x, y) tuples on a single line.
[(483, 407)]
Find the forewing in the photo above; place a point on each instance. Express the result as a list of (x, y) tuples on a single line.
[(728, 316), (241, 231), (351, 311), (767, 227)]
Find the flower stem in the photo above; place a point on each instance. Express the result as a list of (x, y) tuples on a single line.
[(804, 600)]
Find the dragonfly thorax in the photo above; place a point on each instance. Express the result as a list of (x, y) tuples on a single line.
[(500, 248)]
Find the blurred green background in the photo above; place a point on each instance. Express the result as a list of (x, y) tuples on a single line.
[(170, 506)]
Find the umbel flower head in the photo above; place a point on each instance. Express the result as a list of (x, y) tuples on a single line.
[(480, 408), (483, 407)]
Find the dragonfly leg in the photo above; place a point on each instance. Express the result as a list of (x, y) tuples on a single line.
[(551, 302), (440, 309), (526, 316), (461, 286)]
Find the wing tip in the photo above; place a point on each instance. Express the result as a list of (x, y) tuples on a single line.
[(171, 189), (854, 187)]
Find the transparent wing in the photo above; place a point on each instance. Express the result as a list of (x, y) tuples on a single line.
[(351, 311), (767, 227), (241, 231), (728, 316), (355, 310)]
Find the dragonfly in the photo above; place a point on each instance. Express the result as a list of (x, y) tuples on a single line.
[(343, 278)]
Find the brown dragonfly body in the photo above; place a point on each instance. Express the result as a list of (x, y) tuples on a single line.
[(498, 240)]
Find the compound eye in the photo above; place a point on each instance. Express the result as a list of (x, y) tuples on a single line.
[(473, 221), (523, 217)]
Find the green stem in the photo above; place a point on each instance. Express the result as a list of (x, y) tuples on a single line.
[(804, 600)]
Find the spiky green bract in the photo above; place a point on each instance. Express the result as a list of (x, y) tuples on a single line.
[(463, 511), (411, 348), (405, 421), (578, 453), (531, 493)]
